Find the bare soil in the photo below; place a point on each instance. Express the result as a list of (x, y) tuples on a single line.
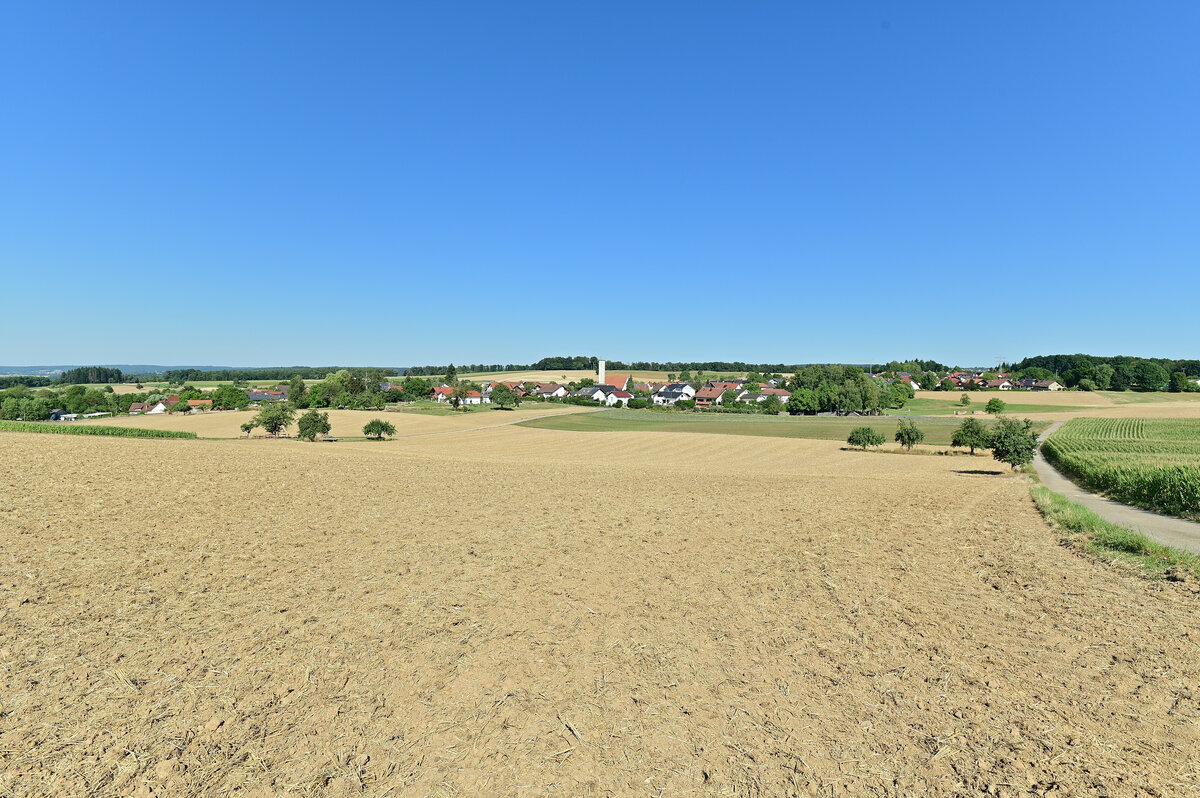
[(529, 611)]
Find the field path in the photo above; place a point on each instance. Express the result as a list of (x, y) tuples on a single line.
[(1174, 532)]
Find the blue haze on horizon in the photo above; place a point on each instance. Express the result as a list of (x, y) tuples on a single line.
[(388, 183)]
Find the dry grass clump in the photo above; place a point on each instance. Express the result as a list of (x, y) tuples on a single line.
[(514, 610)]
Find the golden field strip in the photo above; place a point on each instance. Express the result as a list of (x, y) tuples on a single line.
[(513, 611)]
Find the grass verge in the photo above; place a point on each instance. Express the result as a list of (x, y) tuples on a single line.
[(90, 429), (1088, 532)]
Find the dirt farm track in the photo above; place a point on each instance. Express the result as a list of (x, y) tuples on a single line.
[(516, 611)]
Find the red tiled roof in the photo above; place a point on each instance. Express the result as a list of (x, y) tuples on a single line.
[(199, 402), (709, 393), (616, 380), (776, 392), (622, 394), (443, 390)]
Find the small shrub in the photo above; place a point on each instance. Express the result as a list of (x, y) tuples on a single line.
[(377, 428)]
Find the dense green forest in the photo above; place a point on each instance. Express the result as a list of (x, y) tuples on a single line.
[(94, 374)]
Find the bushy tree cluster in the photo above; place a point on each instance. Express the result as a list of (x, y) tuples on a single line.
[(1117, 373)]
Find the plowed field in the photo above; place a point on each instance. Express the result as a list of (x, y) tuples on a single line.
[(531, 611)]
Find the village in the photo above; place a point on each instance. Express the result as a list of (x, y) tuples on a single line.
[(769, 394)]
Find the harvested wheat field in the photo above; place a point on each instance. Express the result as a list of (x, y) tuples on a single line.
[(343, 423), (1084, 404), (515, 611)]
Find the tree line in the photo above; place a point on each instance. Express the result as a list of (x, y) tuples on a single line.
[(273, 373), (1115, 373)]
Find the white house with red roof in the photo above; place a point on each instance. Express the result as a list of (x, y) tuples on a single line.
[(619, 398)]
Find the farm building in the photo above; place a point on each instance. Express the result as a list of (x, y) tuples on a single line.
[(202, 404), (441, 393), (138, 408)]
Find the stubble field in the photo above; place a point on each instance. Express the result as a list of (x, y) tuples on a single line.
[(1082, 404), (514, 611)]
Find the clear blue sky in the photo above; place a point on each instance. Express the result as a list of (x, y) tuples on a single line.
[(283, 183)]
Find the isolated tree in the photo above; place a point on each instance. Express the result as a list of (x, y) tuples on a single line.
[(503, 396), (1013, 442), (377, 428), (248, 427), (995, 406), (312, 424), (964, 400), (458, 396), (970, 433), (864, 437), (275, 417), (908, 435)]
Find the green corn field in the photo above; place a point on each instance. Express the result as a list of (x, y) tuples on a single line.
[(62, 428), (1150, 463)]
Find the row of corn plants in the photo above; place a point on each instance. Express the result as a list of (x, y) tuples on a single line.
[(67, 428), (1150, 463)]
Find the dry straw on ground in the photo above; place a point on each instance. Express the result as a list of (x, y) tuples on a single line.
[(524, 611)]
